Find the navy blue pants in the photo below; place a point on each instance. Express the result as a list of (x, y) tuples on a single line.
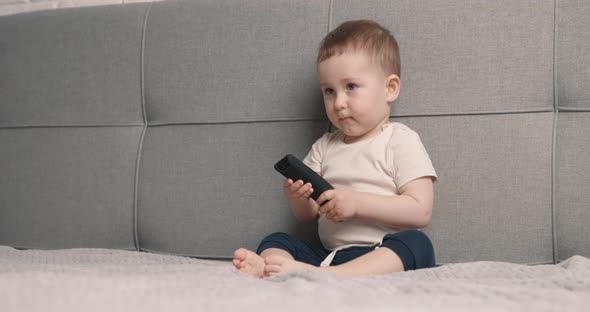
[(412, 246)]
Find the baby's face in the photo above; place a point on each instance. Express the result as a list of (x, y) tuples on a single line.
[(356, 94)]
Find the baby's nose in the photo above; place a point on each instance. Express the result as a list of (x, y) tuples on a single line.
[(340, 102)]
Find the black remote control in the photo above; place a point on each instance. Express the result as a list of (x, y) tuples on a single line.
[(295, 169)]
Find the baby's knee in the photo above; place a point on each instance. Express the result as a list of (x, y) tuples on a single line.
[(277, 236), (278, 240), (413, 247)]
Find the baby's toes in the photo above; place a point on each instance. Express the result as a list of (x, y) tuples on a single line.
[(236, 263), (240, 254)]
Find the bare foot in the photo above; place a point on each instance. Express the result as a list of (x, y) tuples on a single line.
[(249, 262), (278, 265)]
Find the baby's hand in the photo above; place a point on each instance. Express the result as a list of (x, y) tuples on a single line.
[(339, 204), (297, 190)]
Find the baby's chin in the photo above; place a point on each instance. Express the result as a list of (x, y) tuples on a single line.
[(346, 125)]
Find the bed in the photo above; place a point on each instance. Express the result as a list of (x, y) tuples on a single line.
[(137, 143), (115, 280)]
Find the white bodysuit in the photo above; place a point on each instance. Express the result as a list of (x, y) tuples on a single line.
[(378, 165)]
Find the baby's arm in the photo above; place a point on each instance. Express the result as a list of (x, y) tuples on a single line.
[(409, 210), (304, 208)]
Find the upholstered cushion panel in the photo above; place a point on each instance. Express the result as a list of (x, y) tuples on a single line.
[(572, 185), (71, 67), (207, 189), (256, 63), (68, 187), (572, 57), (460, 57), (493, 196)]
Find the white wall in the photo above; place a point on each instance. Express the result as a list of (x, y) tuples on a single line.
[(19, 6)]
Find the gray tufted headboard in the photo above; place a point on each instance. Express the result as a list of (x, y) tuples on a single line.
[(155, 126)]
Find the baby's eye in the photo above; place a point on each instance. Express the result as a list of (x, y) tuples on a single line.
[(328, 91), (351, 87)]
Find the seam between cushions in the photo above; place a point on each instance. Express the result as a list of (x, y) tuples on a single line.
[(554, 142), (554, 139), (331, 5), (330, 127), (179, 123), (70, 126), (507, 112), (323, 118), (143, 131), (30, 247), (573, 109), (554, 187)]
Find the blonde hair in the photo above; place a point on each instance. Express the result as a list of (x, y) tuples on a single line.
[(363, 35)]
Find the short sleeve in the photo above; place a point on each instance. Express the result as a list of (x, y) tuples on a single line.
[(315, 156), (408, 157)]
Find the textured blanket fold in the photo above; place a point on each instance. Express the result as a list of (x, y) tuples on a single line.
[(114, 280)]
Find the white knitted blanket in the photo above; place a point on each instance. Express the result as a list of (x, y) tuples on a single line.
[(114, 280)]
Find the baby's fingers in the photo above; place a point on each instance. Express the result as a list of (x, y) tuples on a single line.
[(298, 188), (287, 183), (294, 187), (305, 190)]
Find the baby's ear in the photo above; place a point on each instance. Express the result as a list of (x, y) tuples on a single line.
[(392, 85)]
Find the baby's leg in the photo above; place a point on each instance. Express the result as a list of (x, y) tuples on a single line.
[(277, 252), (378, 261), (281, 247), (274, 245), (405, 250)]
